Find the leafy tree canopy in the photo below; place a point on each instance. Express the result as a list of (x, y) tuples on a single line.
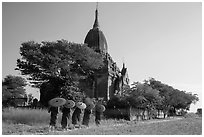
[(62, 60), (12, 87), (173, 98), (155, 94), (144, 96), (61, 64)]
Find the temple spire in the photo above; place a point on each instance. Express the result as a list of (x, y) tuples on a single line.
[(123, 65), (123, 60), (96, 24)]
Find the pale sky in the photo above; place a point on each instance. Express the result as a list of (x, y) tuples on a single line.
[(159, 40)]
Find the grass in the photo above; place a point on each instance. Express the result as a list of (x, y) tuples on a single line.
[(25, 116), (25, 121), (34, 117), (185, 126)]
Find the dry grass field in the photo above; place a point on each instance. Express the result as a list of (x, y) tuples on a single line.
[(37, 123)]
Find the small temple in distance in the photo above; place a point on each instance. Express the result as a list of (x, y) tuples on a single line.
[(110, 80)]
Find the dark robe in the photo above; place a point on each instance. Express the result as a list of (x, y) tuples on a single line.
[(65, 116), (86, 118), (76, 116), (53, 115), (98, 117)]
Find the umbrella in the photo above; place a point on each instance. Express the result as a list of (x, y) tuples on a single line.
[(69, 104), (81, 105), (57, 102), (100, 108), (88, 100), (90, 106)]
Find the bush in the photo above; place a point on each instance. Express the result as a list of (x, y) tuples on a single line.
[(117, 108), (117, 102)]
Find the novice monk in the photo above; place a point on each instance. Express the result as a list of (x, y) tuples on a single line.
[(99, 108), (53, 117), (86, 118), (66, 117), (98, 117), (76, 117)]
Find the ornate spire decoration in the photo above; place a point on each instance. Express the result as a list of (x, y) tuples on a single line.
[(96, 24), (123, 70), (123, 65)]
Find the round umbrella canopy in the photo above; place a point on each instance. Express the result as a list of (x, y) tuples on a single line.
[(57, 102), (81, 105), (90, 106), (69, 104), (100, 108), (88, 100)]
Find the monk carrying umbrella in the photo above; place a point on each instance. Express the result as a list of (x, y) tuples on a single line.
[(99, 109), (54, 104), (76, 116), (66, 113), (87, 111)]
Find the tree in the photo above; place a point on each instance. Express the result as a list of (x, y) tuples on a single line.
[(12, 87), (173, 98), (182, 99), (6, 94), (61, 64), (144, 96)]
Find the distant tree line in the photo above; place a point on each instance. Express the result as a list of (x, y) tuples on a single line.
[(153, 95)]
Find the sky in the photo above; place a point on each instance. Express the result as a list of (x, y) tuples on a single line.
[(159, 40)]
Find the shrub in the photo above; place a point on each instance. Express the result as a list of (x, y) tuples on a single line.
[(117, 108), (117, 102)]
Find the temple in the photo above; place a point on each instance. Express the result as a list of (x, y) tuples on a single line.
[(110, 80)]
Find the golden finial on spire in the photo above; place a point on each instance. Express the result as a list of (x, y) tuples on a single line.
[(96, 24)]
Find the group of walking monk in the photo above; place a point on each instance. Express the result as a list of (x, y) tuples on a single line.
[(74, 120)]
